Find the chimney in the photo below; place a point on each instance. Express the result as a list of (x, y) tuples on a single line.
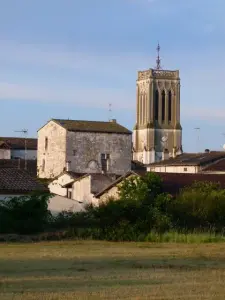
[(113, 120), (68, 166), (174, 152), (165, 154)]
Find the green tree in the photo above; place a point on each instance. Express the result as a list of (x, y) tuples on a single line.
[(25, 214)]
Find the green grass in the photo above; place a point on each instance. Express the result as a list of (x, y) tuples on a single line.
[(103, 270), (175, 237)]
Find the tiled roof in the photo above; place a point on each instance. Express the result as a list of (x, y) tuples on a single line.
[(218, 166), (18, 181), (172, 182), (92, 126), (19, 143), (100, 181), (20, 164), (191, 159)]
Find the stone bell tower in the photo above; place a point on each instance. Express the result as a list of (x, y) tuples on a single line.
[(157, 133)]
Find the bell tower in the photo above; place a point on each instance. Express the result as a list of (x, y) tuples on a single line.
[(157, 133)]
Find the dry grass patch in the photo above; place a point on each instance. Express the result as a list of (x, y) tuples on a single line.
[(101, 270)]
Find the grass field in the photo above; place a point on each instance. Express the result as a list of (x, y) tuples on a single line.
[(101, 270)]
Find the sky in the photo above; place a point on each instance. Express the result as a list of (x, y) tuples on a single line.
[(70, 59)]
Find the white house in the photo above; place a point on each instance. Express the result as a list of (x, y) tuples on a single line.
[(87, 146), (191, 163)]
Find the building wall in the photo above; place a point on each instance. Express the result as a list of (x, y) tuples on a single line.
[(31, 154), (5, 153), (58, 204), (55, 186), (174, 169), (81, 190), (51, 161), (84, 151), (113, 192)]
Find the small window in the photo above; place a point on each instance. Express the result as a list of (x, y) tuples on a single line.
[(185, 169), (69, 194), (46, 143), (74, 152)]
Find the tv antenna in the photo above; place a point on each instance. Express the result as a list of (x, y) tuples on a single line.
[(25, 132), (197, 129)]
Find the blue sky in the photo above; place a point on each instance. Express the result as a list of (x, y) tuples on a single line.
[(70, 59)]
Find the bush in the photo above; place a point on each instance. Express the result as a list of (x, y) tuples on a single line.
[(25, 214)]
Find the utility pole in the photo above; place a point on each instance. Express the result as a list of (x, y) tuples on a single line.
[(25, 132)]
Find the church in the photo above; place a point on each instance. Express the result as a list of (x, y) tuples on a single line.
[(157, 133)]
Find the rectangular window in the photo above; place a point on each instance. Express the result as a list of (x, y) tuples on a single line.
[(105, 162), (74, 152), (69, 194), (185, 169), (43, 165)]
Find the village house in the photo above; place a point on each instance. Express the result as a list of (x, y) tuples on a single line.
[(14, 148), (83, 147), (172, 183), (191, 163)]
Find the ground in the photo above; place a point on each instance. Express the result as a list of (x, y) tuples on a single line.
[(101, 270)]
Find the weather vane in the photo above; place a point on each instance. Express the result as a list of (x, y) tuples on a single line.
[(158, 60)]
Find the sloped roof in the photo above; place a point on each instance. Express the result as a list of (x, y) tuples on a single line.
[(191, 159), (19, 143), (20, 164), (17, 180), (218, 166), (172, 182), (100, 181), (92, 126)]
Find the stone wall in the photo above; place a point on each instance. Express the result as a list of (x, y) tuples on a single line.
[(84, 151), (51, 161)]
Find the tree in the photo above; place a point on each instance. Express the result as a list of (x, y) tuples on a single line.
[(25, 214)]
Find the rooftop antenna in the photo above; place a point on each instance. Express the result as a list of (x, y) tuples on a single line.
[(197, 129), (25, 132), (158, 59), (110, 111)]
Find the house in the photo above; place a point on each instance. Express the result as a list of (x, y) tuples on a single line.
[(83, 147), (172, 183), (15, 148), (58, 185), (71, 188), (16, 182), (188, 163)]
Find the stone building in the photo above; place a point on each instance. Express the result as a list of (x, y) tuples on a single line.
[(83, 147), (157, 133)]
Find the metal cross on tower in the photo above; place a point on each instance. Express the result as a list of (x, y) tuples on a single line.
[(158, 59)]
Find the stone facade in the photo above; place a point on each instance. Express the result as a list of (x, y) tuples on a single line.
[(51, 158), (157, 126), (84, 151)]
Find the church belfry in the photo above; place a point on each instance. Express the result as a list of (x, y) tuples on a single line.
[(157, 133)]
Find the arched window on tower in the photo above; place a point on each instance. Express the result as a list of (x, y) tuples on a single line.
[(170, 106), (156, 105), (163, 105)]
